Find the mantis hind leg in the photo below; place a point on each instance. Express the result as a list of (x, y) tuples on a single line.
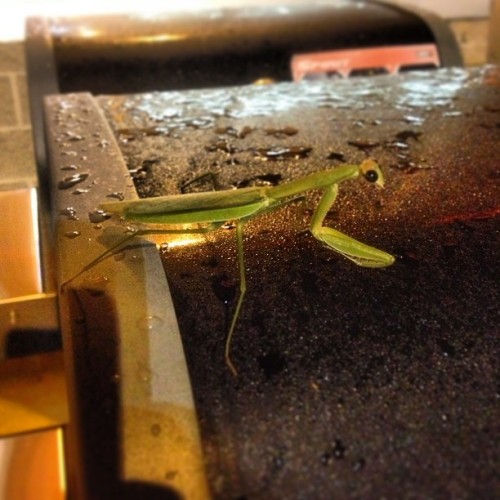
[(277, 204), (359, 253), (140, 232), (98, 259)]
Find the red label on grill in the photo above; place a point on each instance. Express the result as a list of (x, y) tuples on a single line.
[(366, 61)]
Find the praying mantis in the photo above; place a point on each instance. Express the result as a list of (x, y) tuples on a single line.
[(208, 211)]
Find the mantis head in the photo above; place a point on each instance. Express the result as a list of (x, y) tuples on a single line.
[(371, 172)]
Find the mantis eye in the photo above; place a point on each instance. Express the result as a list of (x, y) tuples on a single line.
[(371, 175), (371, 172)]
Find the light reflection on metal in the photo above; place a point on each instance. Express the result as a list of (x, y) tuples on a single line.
[(177, 241), (36, 236), (61, 462), (161, 37), (86, 32), (264, 81), (92, 33)]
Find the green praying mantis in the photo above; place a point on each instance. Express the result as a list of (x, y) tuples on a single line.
[(208, 211)]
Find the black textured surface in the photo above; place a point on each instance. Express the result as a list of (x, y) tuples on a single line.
[(354, 383)]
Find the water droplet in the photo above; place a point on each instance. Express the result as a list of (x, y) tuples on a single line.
[(233, 132), (336, 156), (398, 145), (404, 135), (70, 167), (156, 430), (261, 180), (73, 137), (338, 450), (98, 215), (417, 120), (408, 166), (365, 146), (103, 144), (149, 323), (198, 123), (80, 191), (227, 131), (282, 132), (283, 153), (117, 195), (72, 180), (72, 234), (170, 475), (69, 213)]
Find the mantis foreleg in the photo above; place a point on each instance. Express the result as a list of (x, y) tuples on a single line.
[(359, 253)]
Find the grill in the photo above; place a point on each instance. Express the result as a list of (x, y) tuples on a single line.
[(351, 381)]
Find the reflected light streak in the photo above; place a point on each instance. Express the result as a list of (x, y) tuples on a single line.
[(163, 37), (86, 32), (89, 33), (12, 22), (36, 235), (61, 462), (14, 14), (176, 241)]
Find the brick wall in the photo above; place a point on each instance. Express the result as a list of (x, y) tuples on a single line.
[(472, 37), (13, 98), (17, 165)]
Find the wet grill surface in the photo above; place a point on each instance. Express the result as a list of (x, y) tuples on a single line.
[(352, 382)]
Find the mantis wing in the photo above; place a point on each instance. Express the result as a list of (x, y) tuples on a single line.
[(192, 208)]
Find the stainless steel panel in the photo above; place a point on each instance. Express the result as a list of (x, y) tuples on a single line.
[(132, 428)]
